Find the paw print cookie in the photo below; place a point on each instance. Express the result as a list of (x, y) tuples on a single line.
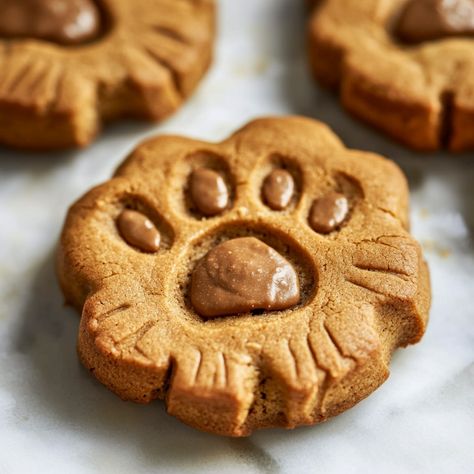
[(259, 282), (68, 66), (404, 66)]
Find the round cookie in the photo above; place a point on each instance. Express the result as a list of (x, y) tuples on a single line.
[(68, 66), (249, 317), (404, 66)]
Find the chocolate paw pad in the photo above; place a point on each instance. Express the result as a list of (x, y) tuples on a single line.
[(262, 281), (242, 275)]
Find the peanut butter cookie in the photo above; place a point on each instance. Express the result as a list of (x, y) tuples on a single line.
[(262, 281), (68, 66), (405, 66)]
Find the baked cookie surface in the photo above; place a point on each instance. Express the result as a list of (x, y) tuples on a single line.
[(275, 296), (81, 63), (404, 66)]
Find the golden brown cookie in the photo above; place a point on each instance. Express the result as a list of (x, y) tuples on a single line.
[(404, 66), (251, 317), (73, 65)]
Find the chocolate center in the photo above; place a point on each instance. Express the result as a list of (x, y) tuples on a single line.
[(137, 230), (208, 191), (278, 188), (242, 275), (423, 20), (61, 21)]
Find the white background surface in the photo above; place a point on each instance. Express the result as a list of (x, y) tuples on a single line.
[(55, 418)]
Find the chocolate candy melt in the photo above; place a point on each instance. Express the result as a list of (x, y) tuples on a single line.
[(209, 192), (137, 230), (61, 21), (241, 275), (328, 212), (423, 20), (278, 189)]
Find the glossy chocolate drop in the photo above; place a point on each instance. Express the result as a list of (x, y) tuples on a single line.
[(424, 20), (241, 275), (328, 212), (209, 192), (61, 21), (278, 188), (137, 230)]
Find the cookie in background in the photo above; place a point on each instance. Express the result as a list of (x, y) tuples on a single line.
[(69, 66), (405, 67)]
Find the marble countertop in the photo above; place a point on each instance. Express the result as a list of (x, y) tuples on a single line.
[(54, 417)]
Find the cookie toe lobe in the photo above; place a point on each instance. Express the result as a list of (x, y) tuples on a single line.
[(209, 191), (278, 188), (242, 275), (328, 212), (62, 21), (138, 231)]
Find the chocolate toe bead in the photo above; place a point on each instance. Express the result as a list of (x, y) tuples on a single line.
[(209, 192), (278, 189), (328, 212), (137, 230)]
